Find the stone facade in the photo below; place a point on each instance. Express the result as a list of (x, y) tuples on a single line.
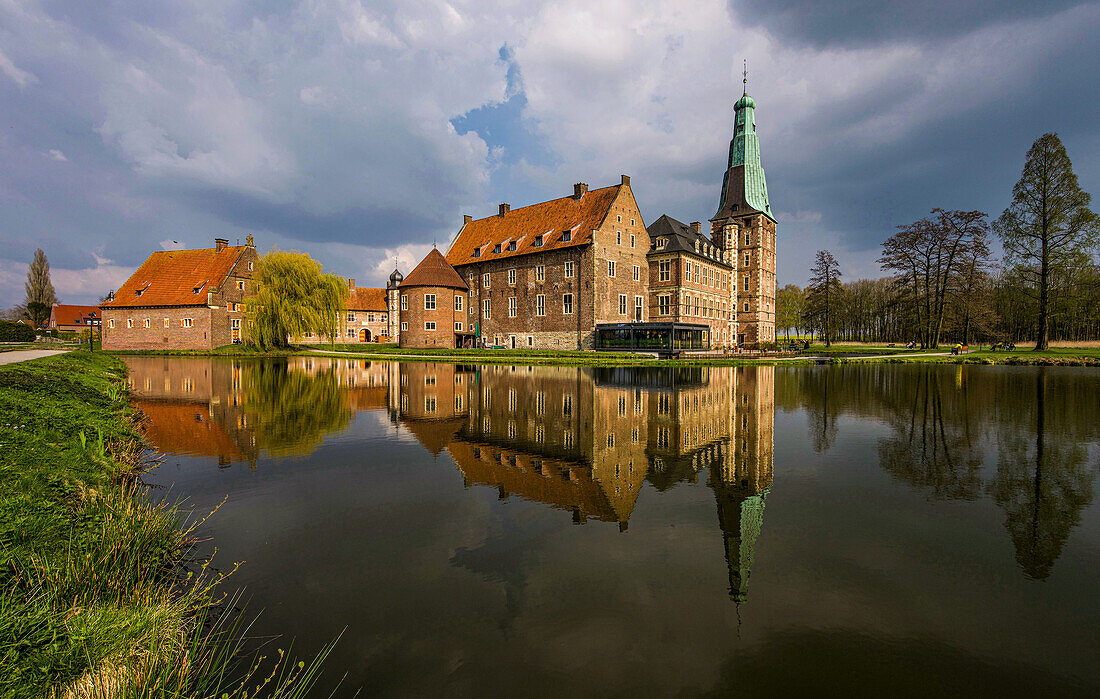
[(553, 298)]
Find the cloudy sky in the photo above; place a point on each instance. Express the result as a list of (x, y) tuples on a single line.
[(361, 131)]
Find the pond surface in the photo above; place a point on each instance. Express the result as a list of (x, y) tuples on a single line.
[(495, 530)]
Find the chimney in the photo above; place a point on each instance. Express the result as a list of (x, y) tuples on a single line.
[(466, 218), (626, 180), (220, 244), (696, 227), (579, 189), (504, 208)]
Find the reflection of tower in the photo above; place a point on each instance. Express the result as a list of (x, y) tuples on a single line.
[(393, 317), (741, 481)]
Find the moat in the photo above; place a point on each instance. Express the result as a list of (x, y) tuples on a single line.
[(548, 530)]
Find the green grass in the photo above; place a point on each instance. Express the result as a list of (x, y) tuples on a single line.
[(95, 599)]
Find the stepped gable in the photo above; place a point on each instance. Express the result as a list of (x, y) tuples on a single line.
[(578, 215), (434, 270), (176, 278), (366, 299)]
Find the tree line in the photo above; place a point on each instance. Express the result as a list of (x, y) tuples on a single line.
[(945, 284)]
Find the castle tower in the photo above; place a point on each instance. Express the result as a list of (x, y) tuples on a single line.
[(746, 231), (393, 318)]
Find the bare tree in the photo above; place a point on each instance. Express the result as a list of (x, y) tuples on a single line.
[(1048, 225), (823, 295)]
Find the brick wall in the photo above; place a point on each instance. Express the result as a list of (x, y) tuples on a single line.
[(444, 316)]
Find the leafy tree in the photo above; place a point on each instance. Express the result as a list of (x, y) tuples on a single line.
[(291, 297), (1048, 226), (40, 293), (789, 302), (823, 295)]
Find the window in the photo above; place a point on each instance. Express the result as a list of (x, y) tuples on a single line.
[(540, 273), (404, 302), (566, 405), (664, 307), (637, 272), (540, 305), (746, 239), (664, 270), (240, 285), (746, 286), (129, 322), (568, 269), (611, 268), (696, 272), (351, 332), (250, 266), (698, 306), (429, 404), (566, 236), (458, 303), (538, 241), (429, 325), (631, 240), (511, 306), (145, 323), (512, 246), (618, 237), (370, 317), (512, 277), (637, 308), (458, 326), (632, 222), (530, 342), (746, 259), (622, 304), (567, 304), (687, 271), (746, 307), (187, 323), (111, 323), (496, 248), (351, 317), (404, 327), (429, 302), (619, 219), (485, 313), (485, 280)]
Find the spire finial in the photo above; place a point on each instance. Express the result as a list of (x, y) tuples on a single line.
[(745, 77)]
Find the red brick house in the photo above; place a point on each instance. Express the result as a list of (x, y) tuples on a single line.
[(365, 320), (73, 318), (182, 299)]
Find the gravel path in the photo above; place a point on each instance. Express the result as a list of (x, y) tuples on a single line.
[(26, 355)]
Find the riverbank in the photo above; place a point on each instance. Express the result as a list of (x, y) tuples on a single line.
[(95, 595), (816, 354)]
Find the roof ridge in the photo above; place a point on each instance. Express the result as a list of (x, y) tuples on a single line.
[(548, 201)]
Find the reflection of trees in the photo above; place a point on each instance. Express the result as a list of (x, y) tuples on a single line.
[(1042, 490), (932, 446), (292, 410), (822, 406)]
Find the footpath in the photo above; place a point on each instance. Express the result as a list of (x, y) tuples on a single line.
[(26, 355)]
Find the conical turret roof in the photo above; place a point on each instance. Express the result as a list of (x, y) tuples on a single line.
[(434, 270)]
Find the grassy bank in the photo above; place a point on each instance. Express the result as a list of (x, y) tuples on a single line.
[(95, 598)]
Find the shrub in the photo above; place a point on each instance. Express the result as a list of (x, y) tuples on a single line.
[(15, 332)]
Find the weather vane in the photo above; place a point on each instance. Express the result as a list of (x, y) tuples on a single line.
[(745, 76)]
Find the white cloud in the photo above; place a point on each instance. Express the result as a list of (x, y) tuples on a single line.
[(85, 285), (20, 77), (172, 245), (58, 155)]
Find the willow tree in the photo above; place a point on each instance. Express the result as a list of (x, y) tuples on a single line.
[(291, 297), (1048, 227)]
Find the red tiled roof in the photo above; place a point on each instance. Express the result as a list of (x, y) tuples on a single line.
[(170, 278), (67, 314), (433, 270), (366, 299), (548, 219)]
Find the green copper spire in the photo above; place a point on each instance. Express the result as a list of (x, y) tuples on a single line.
[(750, 189)]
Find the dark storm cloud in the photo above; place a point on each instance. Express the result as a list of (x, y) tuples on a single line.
[(867, 22)]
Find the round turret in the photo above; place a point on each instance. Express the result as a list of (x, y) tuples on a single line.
[(744, 102)]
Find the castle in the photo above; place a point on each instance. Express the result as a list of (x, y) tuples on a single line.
[(580, 271)]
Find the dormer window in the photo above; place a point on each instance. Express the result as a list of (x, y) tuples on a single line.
[(477, 252), (496, 248), (141, 291), (512, 246), (566, 236), (199, 288), (538, 241)]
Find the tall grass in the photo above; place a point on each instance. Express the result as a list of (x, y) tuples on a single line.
[(100, 594)]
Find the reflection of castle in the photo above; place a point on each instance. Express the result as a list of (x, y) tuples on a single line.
[(193, 405), (583, 440)]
